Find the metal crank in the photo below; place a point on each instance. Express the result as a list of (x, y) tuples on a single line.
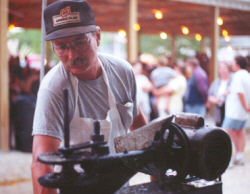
[(173, 153)]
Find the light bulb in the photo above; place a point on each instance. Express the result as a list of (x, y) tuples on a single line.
[(185, 30), (163, 35), (122, 33), (198, 37), (219, 21)]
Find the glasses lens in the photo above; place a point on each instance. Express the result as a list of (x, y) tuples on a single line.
[(60, 49), (80, 45)]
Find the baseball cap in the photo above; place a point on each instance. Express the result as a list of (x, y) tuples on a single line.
[(68, 18)]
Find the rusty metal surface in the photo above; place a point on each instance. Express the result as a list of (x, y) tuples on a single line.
[(140, 138), (143, 137), (189, 120)]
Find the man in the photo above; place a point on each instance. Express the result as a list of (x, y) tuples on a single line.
[(197, 88), (101, 87), (237, 107)]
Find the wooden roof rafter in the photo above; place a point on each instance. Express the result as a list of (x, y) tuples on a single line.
[(111, 15)]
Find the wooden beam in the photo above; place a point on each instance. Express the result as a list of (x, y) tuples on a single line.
[(4, 78), (241, 5), (215, 30), (132, 35), (203, 46), (111, 16), (173, 51)]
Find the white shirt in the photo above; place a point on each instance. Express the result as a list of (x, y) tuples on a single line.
[(179, 85), (143, 97), (240, 84)]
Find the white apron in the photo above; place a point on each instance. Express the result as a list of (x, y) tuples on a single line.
[(82, 128)]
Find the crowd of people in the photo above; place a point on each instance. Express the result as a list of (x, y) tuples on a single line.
[(171, 88), (23, 88)]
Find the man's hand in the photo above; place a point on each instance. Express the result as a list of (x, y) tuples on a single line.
[(138, 121)]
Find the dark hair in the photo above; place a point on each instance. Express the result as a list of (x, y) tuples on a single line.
[(194, 61), (35, 87), (241, 61)]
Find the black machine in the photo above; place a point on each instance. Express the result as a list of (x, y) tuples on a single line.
[(184, 156)]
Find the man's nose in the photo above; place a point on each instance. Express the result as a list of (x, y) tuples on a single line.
[(72, 54)]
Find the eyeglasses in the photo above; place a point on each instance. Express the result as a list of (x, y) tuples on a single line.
[(78, 45)]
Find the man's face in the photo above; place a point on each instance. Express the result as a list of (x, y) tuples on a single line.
[(80, 52), (189, 69)]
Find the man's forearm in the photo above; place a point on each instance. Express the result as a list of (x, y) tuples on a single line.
[(42, 144), (242, 100), (138, 121), (38, 170)]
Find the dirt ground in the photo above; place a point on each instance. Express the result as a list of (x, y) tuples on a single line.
[(15, 175)]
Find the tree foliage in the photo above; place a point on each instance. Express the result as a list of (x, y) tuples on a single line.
[(154, 45)]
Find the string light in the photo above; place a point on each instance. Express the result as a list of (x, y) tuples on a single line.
[(158, 14), (198, 37), (163, 35), (219, 21), (224, 33), (122, 33), (227, 38), (137, 27), (11, 27), (185, 30)]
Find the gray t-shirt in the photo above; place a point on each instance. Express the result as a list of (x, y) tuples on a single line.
[(92, 96)]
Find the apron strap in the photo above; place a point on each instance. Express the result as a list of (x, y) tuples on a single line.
[(74, 82), (111, 97)]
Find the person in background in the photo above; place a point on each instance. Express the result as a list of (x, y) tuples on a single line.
[(237, 107), (197, 88), (160, 77), (248, 63), (175, 89), (144, 86), (100, 87), (218, 91)]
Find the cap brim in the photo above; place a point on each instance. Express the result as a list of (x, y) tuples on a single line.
[(70, 32)]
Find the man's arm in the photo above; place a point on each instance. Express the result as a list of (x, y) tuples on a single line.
[(164, 90), (243, 102), (42, 144), (138, 121)]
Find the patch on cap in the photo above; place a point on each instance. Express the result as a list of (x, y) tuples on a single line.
[(66, 16)]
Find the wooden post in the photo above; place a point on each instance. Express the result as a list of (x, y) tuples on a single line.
[(215, 30), (132, 35), (203, 46), (4, 78), (173, 52), (44, 4)]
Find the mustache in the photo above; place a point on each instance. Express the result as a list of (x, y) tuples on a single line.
[(76, 62)]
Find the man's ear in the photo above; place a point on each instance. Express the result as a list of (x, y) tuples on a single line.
[(98, 35)]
